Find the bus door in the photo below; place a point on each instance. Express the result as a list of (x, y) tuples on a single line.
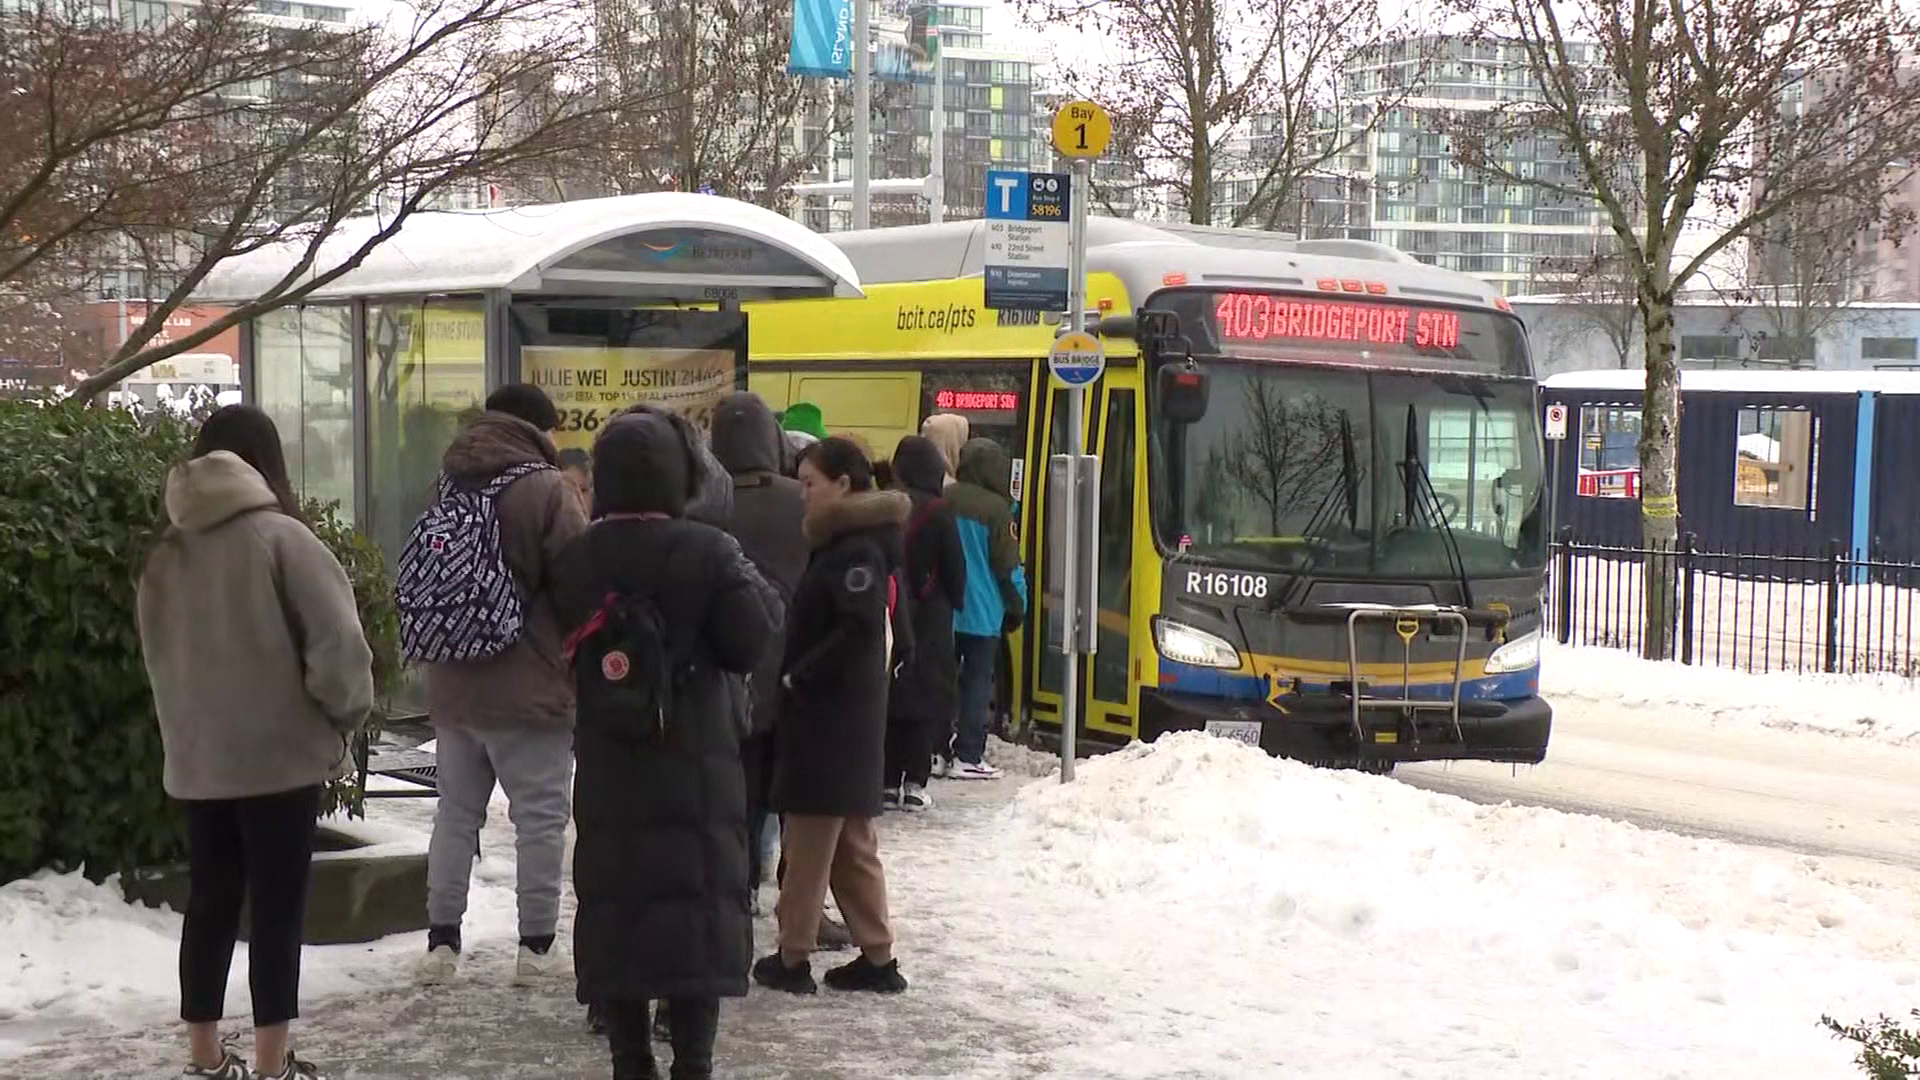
[(1105, 687)]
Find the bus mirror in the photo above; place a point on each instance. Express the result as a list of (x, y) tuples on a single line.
[(1183, 393)]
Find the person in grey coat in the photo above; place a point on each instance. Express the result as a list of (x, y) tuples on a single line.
[(261, 675)]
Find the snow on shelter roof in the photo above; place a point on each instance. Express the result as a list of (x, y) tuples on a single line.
[(666, 244), (1745, 382)]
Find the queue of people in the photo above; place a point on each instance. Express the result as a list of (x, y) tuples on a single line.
[(688, 645)]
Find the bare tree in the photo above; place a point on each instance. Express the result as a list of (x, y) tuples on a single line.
[(1210, 90), (1800, 278), (214, 132), (1598, 299), (1672, 108), (723, 115)]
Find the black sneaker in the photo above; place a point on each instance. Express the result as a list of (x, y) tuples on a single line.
[(832, 936), (864, 974), (774, 974)]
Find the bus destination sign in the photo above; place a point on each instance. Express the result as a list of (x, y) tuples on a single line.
[(1264, 317)]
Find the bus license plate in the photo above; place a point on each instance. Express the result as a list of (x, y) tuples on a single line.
[(1240, 731)]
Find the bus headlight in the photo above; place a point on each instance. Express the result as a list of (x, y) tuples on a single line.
[(1187, 645), (1519, 654)]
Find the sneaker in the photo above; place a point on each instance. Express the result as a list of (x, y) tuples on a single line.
[(294, 1069), (774, 974), (230, 1068), (438, 967), (832, 936), (942, 766), (974, 770), (864, 974), (890, 799), (538, 967), (915, 797)]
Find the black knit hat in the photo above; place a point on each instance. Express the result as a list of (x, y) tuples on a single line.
[(643, 464)]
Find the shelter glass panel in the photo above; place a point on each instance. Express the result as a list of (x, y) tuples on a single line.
[(303, 360)]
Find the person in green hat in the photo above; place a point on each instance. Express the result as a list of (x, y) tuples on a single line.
[(804, 417)]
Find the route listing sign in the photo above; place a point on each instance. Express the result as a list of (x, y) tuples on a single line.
[(1028, 256)]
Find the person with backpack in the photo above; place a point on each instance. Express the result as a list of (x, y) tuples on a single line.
[(996, 599), (474, 591), (666, 609), (261, 675), (830, 742), (922, 699)]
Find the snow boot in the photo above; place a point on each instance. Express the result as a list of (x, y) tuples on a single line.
[(864, 974), (773, 973)]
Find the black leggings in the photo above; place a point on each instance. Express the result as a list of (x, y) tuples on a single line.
[(259, 849), (694, 1024)]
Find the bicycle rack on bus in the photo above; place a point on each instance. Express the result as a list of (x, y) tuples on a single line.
[(1407, 622)]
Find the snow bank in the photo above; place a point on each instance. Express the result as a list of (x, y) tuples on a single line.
[(1868, 706), (1245, 915)]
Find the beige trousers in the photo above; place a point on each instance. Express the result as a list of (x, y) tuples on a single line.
[(844, 854)]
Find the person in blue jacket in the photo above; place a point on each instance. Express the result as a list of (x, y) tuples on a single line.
[(996, 597)]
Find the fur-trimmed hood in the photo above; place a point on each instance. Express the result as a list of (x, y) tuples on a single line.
[(859, 510)]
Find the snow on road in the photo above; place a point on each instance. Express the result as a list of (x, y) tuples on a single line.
[(1194, 909), (1879, 707)]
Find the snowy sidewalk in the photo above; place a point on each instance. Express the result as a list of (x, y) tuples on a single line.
[(1186, 910), (482, 1028)]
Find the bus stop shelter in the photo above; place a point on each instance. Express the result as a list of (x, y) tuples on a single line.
[(603, 302)]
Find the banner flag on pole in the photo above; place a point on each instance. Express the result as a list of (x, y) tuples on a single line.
[(822, 43)]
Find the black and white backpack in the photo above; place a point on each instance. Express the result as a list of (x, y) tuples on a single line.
[(456, 596)]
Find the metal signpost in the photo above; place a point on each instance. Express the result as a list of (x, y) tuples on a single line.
[(1081, 131), (1556, 434)]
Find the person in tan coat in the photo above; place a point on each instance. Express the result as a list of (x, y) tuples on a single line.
[(948, 432), (508, 718), (261, 675)]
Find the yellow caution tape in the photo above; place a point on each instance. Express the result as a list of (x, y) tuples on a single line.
[(1660, 506)]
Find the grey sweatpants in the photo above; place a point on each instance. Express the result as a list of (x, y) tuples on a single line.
[(535, 770)]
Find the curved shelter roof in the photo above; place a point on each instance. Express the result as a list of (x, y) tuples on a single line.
[(668, 245)]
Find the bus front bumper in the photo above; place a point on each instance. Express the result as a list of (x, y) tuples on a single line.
[(1319, 728)]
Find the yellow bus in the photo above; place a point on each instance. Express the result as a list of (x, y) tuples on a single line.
[(1321, 506)]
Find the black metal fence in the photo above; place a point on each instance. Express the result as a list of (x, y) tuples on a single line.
[(1811, 612)]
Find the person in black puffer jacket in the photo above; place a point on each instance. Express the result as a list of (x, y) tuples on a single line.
[(830, 745), (924, 693), (660, 867)]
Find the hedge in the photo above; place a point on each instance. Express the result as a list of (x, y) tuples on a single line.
[(80, 755)]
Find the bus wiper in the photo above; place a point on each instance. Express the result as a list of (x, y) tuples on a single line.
[(1420, 493)]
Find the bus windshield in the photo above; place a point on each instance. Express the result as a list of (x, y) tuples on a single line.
[(1354, 472)]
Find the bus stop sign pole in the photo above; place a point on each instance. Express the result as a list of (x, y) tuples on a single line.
[(1081, 132)]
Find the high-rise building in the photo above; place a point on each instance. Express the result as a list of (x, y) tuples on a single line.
[(992, 113), (1399, 184)]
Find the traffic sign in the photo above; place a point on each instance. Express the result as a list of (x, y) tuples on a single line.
[(1556, 422), (1077, 358), (1082, 129), (1028, 240)]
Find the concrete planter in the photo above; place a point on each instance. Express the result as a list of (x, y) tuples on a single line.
[(368, 881)]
